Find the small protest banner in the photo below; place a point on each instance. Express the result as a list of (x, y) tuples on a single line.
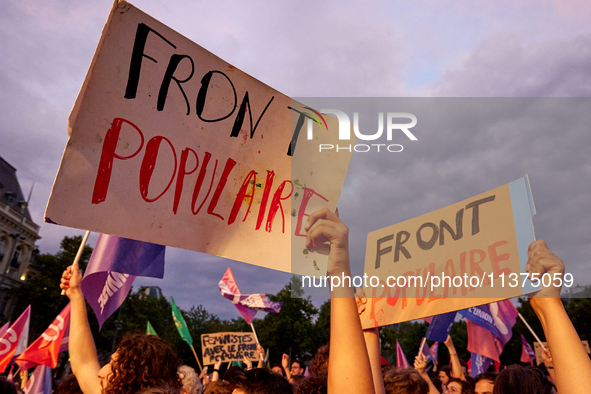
[(172, 145), (228, 346), (464, 255)]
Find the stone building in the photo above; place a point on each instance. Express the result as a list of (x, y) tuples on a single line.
[(18, 234)]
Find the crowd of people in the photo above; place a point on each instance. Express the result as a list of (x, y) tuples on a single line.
[(350, 363)]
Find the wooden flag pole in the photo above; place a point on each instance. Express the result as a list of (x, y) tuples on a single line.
[(532, 331), (197, 358), (255, 333), (422, 344), (80, 250)]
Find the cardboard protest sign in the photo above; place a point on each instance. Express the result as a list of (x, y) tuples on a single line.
[(466, 254), (170, 144), (538, 350), (229, 346)]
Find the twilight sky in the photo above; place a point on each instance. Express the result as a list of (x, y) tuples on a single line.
[(321, 49)]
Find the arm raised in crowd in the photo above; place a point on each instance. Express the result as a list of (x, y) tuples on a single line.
[(572, 366), (372, 343), (349, 370), (421, 367), (456, 366), (83, 356)]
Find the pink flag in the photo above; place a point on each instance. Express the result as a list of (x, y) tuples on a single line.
[(247, 304), (45, 350), (15, 340), (4, 328), (400, 357), (40, 381), (483, 342)]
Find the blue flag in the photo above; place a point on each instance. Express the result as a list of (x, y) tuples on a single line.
[(440, 325)]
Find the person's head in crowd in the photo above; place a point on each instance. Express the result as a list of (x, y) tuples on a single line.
[(218, 387), (444, 375), (404, 381), (262, 381), (485, 383), (141, 361), (69, 385), (319, 364), (297, 368), (458, 386), (278, 369), (464, 367), (232, 375), (314, 384), (296, 379), (163, 389), (191, 382), (6, 386), (517, 379)]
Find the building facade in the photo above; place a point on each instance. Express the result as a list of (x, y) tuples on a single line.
[(18, 234)]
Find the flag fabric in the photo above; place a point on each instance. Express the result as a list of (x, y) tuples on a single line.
[(45, 350), (10, 376), (40, 381), (426, 351), (180, 324), (400, 357), (65, 343), (527, 353), (434, 352), (497, 317), (483, 342), (440, 325), (4, 328), (112, 268), (384, 362), (247, 304), (150, 330), (479, 363), (15, 339)]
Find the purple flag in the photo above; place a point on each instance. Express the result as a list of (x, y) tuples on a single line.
[(247, 304), (527, 353), (440, 325), (113, 266), (40, 381), (479, 363), (427, 351)]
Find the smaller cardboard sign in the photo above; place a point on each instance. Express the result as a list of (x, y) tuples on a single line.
[(229, 346), (466, 254), (538, 350)]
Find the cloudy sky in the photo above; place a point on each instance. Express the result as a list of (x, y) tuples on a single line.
[(375, 49)]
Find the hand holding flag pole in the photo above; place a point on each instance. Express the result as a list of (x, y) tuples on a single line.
[(79, 254)]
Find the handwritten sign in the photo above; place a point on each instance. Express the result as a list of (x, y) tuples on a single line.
[(172, 145), (228, 346), (467, 254)]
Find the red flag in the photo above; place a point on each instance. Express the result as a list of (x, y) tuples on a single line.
[(4, 328), (400, 357), (45, 349), (483, 342), (11, 340)]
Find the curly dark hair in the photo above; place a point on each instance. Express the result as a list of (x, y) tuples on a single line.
[(143, 361)]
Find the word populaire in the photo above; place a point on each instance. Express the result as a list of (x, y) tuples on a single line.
[(345, 131)]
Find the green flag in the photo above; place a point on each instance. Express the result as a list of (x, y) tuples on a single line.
[(180, 324), (150, 330)]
